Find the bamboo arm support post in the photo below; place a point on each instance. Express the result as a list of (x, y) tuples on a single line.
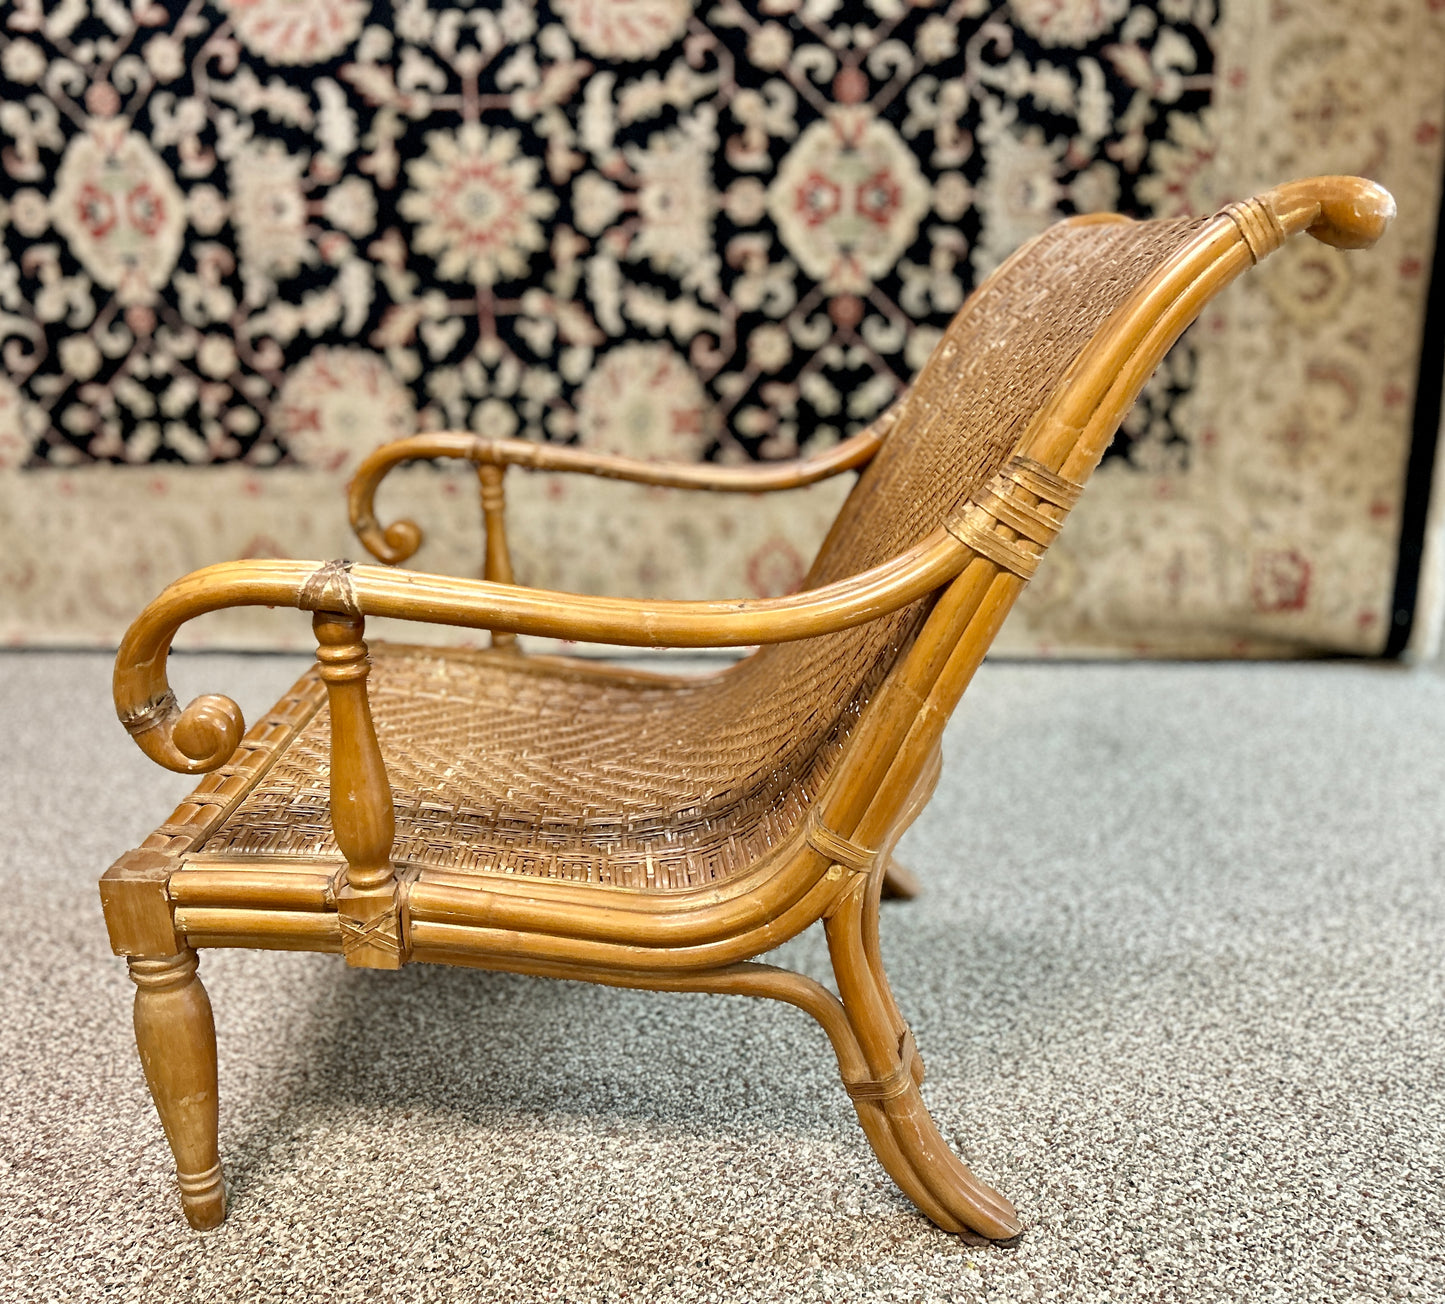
[(362, 816), (498, 565)]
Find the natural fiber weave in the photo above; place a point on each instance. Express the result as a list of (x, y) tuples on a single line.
[(499, 766)]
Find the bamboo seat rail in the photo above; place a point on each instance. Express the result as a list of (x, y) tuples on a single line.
[(553, 816)]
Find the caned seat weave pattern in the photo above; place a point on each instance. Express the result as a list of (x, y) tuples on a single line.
[(498, 767)]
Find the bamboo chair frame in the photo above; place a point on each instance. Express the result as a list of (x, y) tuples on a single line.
[(162, 904)]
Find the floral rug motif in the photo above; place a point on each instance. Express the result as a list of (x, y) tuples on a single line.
[(246, 242)]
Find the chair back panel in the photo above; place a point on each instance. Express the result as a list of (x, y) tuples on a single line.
[(1000, 360), (792, 706)]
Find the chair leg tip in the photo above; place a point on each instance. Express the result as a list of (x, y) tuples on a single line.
[(205, 1213), (204, 1199), (1005, 1223)]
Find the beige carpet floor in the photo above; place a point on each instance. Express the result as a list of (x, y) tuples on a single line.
[(1177, 978)]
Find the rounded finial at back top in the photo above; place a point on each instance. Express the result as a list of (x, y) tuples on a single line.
[(1354, 214), (1346, 212)]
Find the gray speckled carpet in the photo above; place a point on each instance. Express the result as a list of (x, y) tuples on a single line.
[(1177, 978)]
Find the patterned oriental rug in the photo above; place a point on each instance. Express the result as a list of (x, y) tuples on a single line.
[(245, 242)]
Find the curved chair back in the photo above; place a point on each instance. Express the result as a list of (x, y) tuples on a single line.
[(1133, 288), (1000, 362)]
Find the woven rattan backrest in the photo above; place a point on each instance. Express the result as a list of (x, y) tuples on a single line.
[(1000, 360), (782, 717)]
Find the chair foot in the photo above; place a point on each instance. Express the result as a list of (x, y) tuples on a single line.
[(973, 1203), (889, 1105), (907, 1143), (176, 1036), (899, 884)]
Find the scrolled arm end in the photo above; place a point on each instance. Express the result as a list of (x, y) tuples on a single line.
[(394, 544), (400, 539), (204, 736), (194, 741)]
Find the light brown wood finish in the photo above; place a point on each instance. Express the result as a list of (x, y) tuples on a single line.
[(173, 896), (176, 1035), (401, 539), (497, 567), (362, 814)]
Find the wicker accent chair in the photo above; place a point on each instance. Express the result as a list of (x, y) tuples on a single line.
[(549, 816)]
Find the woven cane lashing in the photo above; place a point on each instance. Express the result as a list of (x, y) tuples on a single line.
[(499, 770)]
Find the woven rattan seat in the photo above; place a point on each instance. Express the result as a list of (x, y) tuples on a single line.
[(551, 816), (502, 765)]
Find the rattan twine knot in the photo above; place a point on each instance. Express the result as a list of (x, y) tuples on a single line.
[(1259, 225), (894, 1084), (329, 589), (149, 715), (837, 848)]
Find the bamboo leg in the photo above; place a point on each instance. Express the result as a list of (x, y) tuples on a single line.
[(176, 1036), (871, 896), (900, 883), (897, 882), (754, 979), (919, 1147)]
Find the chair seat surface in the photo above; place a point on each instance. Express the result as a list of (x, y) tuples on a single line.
[(501, 764)]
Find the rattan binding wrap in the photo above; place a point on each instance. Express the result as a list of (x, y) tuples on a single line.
[(996, 505), (329, 589), (150, 715), (840, 850), (908, 1071)]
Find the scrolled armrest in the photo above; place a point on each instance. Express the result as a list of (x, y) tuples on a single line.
[(398, 541), (193, 741), (204, 735)]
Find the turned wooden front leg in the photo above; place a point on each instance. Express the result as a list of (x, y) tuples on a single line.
[(362, 816), (176, 1036)]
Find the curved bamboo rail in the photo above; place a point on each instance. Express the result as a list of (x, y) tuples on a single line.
[(204, 735), (399, 540)]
